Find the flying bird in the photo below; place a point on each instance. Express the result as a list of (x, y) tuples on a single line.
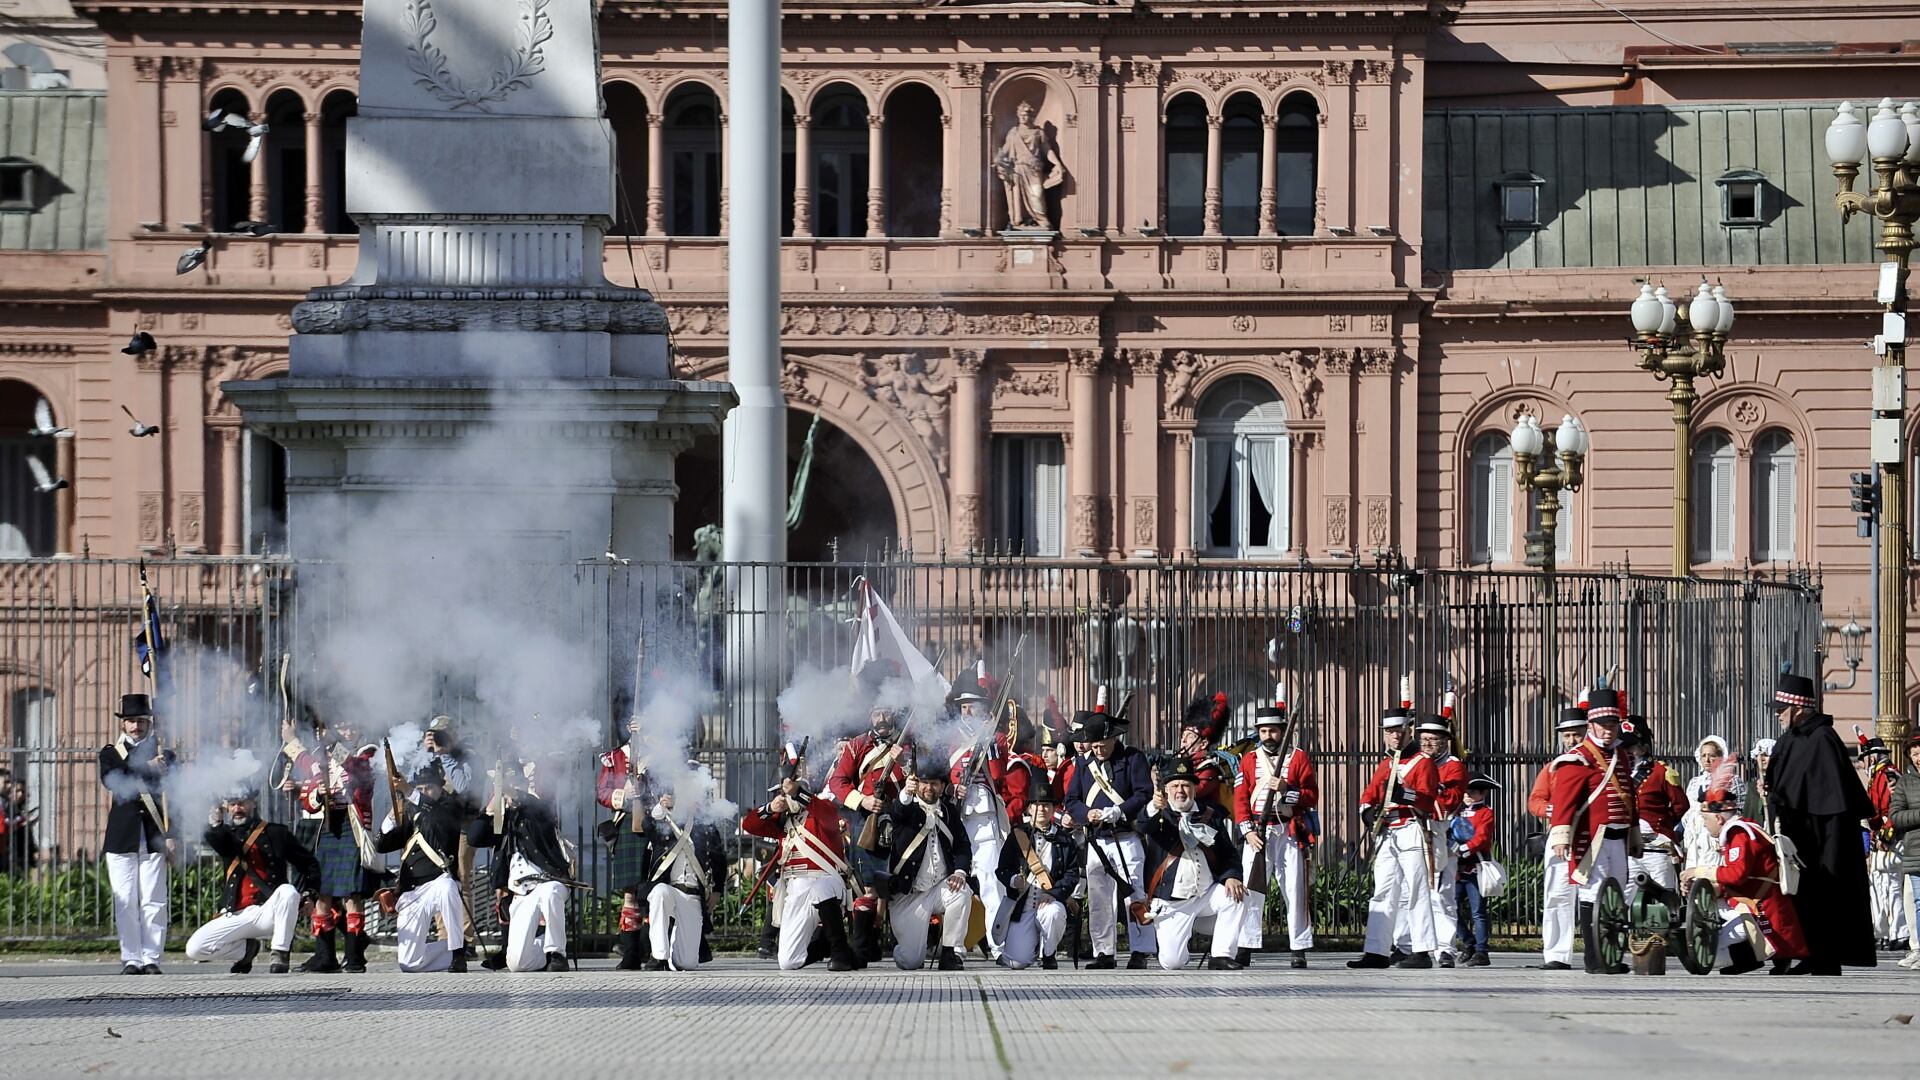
[(139, 430), (253, 228), (43, 425), (256, 137), (220, 119), (140, 345), (191, 261), (43, 481)]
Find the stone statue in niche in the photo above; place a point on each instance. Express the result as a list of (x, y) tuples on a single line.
[(1029, 168)]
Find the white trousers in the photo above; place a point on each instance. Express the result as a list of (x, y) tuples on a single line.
[(984, 834), (1129, 857), (1442, 898), (413, 921), (674, 920), (1038, 930), (1400, 868), (798, 919), (1889, 914), (911, 914), (1611, 862), (536, 926), (139, 905), (1556, 913), (224, 940), (1287, 870), (1659, 868), (1173, 924)]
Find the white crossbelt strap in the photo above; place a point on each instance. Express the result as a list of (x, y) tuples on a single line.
[(682, 847), (419, 843), (933, 821), (805, 843), (1100, 781), (157, 810)]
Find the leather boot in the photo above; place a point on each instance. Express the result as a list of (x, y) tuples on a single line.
[(833, 922), (323, 960), (950, 959), (865, 936), (1244, 957), (1590, 944), (244, 965), (633, 954), (769, 942), (282, 962), (356, 948)]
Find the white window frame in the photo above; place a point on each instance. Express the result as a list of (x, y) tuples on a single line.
[(1490, 492), (1029, 474), (1242, 436), (1715, 463), (1776, 471)]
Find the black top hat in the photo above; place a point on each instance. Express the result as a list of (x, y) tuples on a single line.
[(1097, 726), (1571, 719), (430, 773), (1181, 770), (132, 705), (1482, 780), (1793, 689), (1603, 704), (1434, 725), (1393, 717), (1872, 747)]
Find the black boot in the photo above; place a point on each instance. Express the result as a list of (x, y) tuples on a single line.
[(769, 942), (1590, 944), (282, 962), (1418, 960), (706, 934), (833, 923), (633, 954), (459, 964), (865, 937), (1371, 960), (244, 965), (356, 959), (1244, 957), (1101, 962), (495, 961), (1299, 958), (950, 959), (1221, 963), (323, 961), (1049, 962), (1740, 959)]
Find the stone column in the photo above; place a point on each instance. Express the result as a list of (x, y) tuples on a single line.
[(656, 174), (316, 201), (1182, 494), (1140, 533), (1083, 461), (1212, 218), (946, 175), (876, 175), (726, 175), (1297, 529), (966, 479), (232, 491), (802, 175), (257, 201), (63, 464), (148, 175), (1269, 165)]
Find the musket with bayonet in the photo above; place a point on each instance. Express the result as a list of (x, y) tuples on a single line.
[(397, 788)]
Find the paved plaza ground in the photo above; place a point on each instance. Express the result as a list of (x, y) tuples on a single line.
[(741, 1018)]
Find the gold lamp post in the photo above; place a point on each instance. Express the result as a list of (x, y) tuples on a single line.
[(1537, 474), (1890, 142), (1671, 358)]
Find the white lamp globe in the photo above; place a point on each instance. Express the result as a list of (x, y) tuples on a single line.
[(1887, 135), (1726, 308), (1846, 137), (1703, 311), (1528, 439), (1646, 312)]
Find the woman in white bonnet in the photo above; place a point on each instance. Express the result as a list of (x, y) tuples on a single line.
[(1699, 844)]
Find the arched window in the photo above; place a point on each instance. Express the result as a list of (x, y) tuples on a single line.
[(1186, 166), (1240, 145), (627, 114), (1490, 490), (1297, 170), (916, 167), (840, 163), (286, 157), (1775, 468), (230, 174), (264, 465), (334, 113), (693, 162), (1241, 483), (27, 515), (1713, 498)]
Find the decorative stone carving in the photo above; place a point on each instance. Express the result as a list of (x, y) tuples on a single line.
[(1029, 167), (1299, 365), (1146, 72), (1214, 79), (1359, 121), (1084, 72), (966, 520), (1086, 361), (912, 384), (1275, 78), (1524, 409), (967, 362), (1376, 361), (876, 258), (1146, 521), (1373, 71), (1337, 522), (810, 320), (1379, 323), (1143, 361), (193, 506), (190, 320), (1747, 414), (803, 260), (1126, 123), (231, 363), (1242, 323), (1086, 522), (793, 382), (964, 73), (343, 309), (1379, 518), (1213, 259), (1014, 382), (1269, 259), (284, 322), (1182, 370), (1337, 361), (148, 68), (151, 514), (1339, 324), (532, 31)]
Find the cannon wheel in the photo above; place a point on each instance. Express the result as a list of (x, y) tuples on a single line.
[(1611, 922), (1700, 930)]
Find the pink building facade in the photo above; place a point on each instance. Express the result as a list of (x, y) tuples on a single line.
[(1292, 271)]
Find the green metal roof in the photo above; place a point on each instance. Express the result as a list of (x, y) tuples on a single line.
[(64, 132), (1634, 186)]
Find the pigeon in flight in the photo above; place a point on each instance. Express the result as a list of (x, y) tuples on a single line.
[(43, 481), (43, 426), (253, 228), (191, 261), (140, 345), (139, 430), (220, 119)]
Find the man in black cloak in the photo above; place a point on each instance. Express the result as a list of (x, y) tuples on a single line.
[(1818, 801)]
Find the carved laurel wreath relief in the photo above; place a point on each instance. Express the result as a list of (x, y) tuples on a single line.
[(532, 31)]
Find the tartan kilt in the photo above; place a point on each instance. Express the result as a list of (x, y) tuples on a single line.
[(627, 859), (341, 874)]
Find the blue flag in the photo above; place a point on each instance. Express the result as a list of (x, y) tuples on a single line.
[(148, 644)]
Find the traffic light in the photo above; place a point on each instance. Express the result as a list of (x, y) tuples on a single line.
[(1866, 501)]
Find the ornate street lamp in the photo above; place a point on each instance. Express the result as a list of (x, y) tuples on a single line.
[(1671, 358), (1890, 143), (1537, 474), (1852, 649)]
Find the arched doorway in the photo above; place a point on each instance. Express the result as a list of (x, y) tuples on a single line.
[(29, 517), (846, 512)]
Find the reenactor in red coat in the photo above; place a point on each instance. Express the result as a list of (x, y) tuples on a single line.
[(1883, 855), (1436, 742), (623, 787), (812, 864), (1274, 808), (866, 778), (1557, 909), (1595, 821), (334, 781), (1661, 802), (1395, 808), (1761, 922)]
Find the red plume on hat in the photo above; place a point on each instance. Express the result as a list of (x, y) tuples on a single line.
[(1220, 711)]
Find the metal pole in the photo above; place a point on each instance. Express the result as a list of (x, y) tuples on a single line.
[(1682, 396), (1890, 661), (1875, 586)]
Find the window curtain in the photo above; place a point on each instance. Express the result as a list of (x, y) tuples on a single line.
[(1260, 453)]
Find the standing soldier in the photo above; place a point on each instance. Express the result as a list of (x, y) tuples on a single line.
[(927, 869), (139, 838), (624, 788), (1595, 820), (1436, 742), (1883, 860), (866, 778), (1273, 807), (689, 873), (1557, 908), (1661, 801), (1195, 873), (1109, 790), (258, 900), (812, 864), (1395, 809), (982, 789), (334, 783), (531, 869), (426, 833), (1040, 867)]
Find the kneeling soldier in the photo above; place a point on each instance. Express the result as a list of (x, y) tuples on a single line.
[(531, 865), (427, 836), (690, 868), (812, 864), (1040, 868), (258, 900), (927, 864), (1193, 870)]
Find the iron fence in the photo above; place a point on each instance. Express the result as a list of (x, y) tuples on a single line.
[(1695, 656)]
